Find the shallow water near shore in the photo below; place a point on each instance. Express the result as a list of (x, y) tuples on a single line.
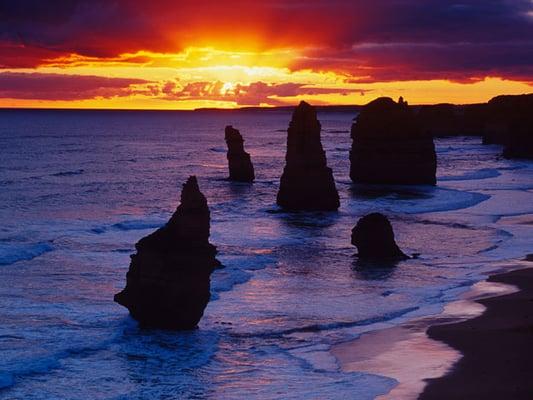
[(80, 188)]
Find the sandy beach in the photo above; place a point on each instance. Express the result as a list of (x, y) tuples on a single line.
[(496, 347), (466, 352)]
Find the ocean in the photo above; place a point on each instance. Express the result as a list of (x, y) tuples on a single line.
[(79, 188)]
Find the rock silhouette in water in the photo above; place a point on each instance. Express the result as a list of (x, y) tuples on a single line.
[(510, 122), (389, 147), (241, 168), (374, 238), (168, 282), (307, 182)]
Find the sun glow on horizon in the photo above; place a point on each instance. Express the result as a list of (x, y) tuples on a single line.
[(201, 77)]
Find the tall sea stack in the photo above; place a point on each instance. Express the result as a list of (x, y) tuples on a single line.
[(241, 168), (389, 147), (307, 182), (510, 122), (168, 283)]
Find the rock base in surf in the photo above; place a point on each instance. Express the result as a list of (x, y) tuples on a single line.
[(389, 147), (168, 282), (374, 238), (307, 182), (241, 168)]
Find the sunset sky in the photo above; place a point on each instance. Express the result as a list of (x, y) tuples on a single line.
[(189, 54)]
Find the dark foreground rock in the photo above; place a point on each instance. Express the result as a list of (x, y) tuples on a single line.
[(307, 182), (168, 283), (241, 168), (374, 238), (389, 146)]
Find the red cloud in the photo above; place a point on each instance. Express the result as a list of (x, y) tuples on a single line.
[(37, 86), (412, 39), (254, 94)]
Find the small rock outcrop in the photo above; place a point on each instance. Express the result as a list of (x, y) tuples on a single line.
[(389, 147), (168, 282), (307, 182), (241, 168), (374, 238)]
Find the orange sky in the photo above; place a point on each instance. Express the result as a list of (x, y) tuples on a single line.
[(185, 54)]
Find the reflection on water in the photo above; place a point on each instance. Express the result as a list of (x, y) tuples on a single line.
[(290, 287), (374, 270)]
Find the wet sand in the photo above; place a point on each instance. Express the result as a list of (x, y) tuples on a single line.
[(414, 358), (497, 347)]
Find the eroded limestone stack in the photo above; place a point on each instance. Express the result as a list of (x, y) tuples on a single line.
[(510, 122), (241, 168), (307, 182), (374, 238), (168, 282), (389, 147)]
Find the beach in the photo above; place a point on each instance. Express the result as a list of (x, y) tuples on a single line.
[(496, 347), (466, 352), (290, 290)]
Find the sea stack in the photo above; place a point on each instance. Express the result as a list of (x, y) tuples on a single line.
[(168, 282), (307, 182), (510, 122), (241, 168), (389, 147), (374, 238)]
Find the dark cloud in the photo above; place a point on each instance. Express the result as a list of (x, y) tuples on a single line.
[(38, 86), (370, 40)]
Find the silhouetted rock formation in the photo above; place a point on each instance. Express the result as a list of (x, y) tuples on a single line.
[(451, 120), (510, 122), (389, 147), (520, 141), (168, 283), (374, 238), (307, 182), (241, 168), (439, 119)]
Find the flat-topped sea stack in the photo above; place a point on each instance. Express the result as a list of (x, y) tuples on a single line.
[(374, 238), (168, 282), (389, 147), (520, 141), (241, 168), (307, 182), (510, 122), (505, 113)]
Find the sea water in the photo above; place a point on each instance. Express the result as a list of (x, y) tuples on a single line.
[(79, 188)]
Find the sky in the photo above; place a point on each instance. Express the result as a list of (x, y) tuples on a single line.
[(181, 54)]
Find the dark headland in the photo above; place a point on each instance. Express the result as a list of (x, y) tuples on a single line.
[(497, 348)]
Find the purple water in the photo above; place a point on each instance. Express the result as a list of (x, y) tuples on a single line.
[(78, 189)]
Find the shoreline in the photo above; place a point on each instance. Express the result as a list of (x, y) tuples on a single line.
[(418, 360), (497, 347)]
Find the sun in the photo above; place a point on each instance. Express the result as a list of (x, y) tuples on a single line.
[(227, 88)]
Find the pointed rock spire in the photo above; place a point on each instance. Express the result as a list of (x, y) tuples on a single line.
[(307, 182)]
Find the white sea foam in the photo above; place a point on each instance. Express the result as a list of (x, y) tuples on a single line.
[(290, 286)]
